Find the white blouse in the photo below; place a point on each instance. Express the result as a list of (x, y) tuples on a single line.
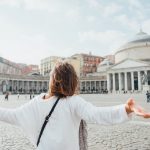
[(61, 132)]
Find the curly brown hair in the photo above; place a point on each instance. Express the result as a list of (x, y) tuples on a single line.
[(63, 80)]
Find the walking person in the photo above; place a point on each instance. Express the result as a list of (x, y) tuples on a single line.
[(52, 120), (30, 96), (6, 96), (33, 95), (18, 96), (148, 96)]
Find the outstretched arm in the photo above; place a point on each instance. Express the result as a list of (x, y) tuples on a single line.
[(24, 117), (18, 115), (106, 115), (100, 115)]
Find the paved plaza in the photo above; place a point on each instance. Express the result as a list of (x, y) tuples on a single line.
[(133, 135)]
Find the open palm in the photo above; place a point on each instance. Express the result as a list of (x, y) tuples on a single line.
[(137, 109)]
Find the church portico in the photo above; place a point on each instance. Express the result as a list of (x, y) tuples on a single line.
[(127, 80)]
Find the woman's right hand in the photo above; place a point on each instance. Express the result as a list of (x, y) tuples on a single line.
[(131, 106), (139, 111)]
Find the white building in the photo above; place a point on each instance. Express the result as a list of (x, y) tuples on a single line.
[(12, 80), (8, 67), (23, 84), (131, 71), (47, 64)]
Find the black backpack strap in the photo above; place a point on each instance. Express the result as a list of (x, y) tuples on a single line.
[(46, 121)]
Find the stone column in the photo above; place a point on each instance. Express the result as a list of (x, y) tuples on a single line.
[(139, 81), (81, 83), (42, 85), (146, 75), (104, 85), (125, 78), (23, 86), (33, 85), (90, 85), (28, 86), (120, 84), (132, 80), (18, 86), (38, 86), (108, 82), (7, 85), (12, 85), (47, 85), (35, 82), (85, 85), (114, 82), (100, 87)]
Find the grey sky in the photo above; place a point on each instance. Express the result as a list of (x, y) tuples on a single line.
[(33, 29)]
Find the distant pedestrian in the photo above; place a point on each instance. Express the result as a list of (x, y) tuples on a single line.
[(30, 96), (148, 96), (18, 95), (6, 96), (33, 95)]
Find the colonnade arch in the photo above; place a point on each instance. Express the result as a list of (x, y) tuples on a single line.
[(90, 86), (23, 86)]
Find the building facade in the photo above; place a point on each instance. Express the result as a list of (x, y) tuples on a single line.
[(83, 63), (88, 63), (12, 78), (131, 71), (8, 67), (75, 61), (47, 64), (129, 75), (23, 84), (30, 69)]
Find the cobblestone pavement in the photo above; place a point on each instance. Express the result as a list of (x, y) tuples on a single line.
[(129, 136), (133, 135)]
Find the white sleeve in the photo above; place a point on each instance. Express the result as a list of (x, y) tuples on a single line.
[(25, 117), (100, 115), (8, 116), (17, 115)]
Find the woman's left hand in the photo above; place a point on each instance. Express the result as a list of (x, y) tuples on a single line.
[(138, 110)]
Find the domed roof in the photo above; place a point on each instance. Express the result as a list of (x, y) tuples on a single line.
[(104, 65), (139, 39), (105, 62)]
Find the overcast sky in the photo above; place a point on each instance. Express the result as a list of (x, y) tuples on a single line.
[(34, 29)]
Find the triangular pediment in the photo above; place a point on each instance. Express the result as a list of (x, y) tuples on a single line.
[(129, 63)]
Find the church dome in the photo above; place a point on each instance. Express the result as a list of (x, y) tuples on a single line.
[(104, 65), (105, 62), (136, 48)]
